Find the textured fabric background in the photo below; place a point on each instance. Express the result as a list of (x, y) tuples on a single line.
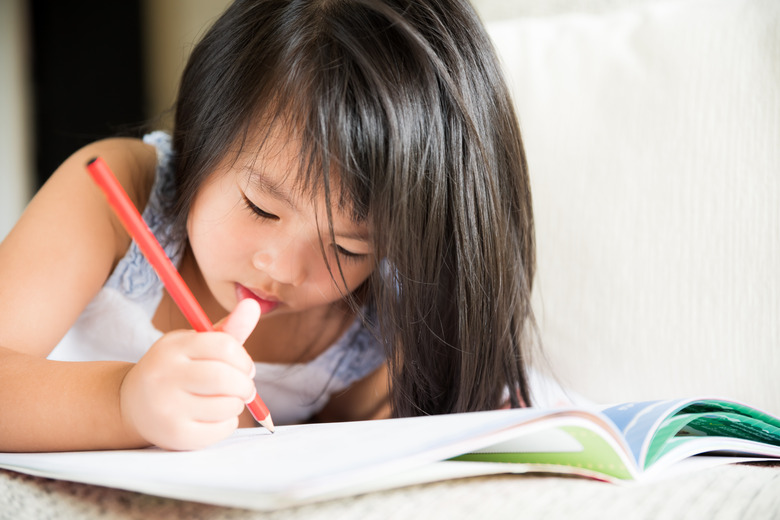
[(653, 138), (724, 493)]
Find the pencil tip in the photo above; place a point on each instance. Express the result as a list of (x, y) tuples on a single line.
[(92, 160), (268, 423)]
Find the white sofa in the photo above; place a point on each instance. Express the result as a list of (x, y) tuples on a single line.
[(653, 137)]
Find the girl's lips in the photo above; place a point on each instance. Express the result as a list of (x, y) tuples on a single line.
[(266, 306)]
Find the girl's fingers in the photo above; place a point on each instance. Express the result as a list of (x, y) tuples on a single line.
[(211, 346), (242, 321), (212, 409), (213, 378)]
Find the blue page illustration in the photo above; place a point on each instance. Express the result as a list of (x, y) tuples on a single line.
[(637, 421)]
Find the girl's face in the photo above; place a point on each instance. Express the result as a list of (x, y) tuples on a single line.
[(254, 235)]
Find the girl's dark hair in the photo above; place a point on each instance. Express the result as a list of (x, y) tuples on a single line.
[(401, 102)]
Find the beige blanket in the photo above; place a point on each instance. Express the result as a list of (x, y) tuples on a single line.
[(729, 492)]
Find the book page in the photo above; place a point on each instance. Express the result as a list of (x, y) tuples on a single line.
[(254, 468)]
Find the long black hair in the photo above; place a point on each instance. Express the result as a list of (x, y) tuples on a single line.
[(403, 112)]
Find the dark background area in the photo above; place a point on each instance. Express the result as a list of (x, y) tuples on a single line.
[(88, 75)]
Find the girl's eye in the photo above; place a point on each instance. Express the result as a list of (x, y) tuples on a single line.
[(257, 211), (348, 255)]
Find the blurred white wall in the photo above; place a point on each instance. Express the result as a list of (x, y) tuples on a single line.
[(172, 29), (15, 128)]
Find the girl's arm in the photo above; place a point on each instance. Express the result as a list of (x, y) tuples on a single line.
[(185, 392), (52, 263), (366, 399)]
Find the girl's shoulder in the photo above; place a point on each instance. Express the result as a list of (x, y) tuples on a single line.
[(143, 167), (133, 162)]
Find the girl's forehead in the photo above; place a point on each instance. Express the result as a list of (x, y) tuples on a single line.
[(271, 157)]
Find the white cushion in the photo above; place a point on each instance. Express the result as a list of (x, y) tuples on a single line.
[(653, 140)]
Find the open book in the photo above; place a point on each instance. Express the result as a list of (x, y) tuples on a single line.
[(306, 463)]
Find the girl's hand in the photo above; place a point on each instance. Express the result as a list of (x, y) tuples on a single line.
[(188, 390)]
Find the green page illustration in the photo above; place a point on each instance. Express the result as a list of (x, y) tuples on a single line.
[(596, 456)]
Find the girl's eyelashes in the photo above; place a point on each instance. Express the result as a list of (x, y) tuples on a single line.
[(257, 212), (348, 255)]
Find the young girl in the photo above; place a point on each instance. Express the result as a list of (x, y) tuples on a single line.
[(353, 170)]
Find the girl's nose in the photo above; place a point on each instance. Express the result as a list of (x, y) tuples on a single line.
[(283, 266)]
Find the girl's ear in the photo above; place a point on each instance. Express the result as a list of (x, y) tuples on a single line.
[(242, 321)]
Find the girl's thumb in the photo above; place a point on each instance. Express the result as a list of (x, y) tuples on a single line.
[(242, 321)]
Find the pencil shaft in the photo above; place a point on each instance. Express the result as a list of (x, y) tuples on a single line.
[(130, 217)]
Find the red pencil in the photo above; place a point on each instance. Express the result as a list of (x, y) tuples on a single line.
[(153, 251)]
